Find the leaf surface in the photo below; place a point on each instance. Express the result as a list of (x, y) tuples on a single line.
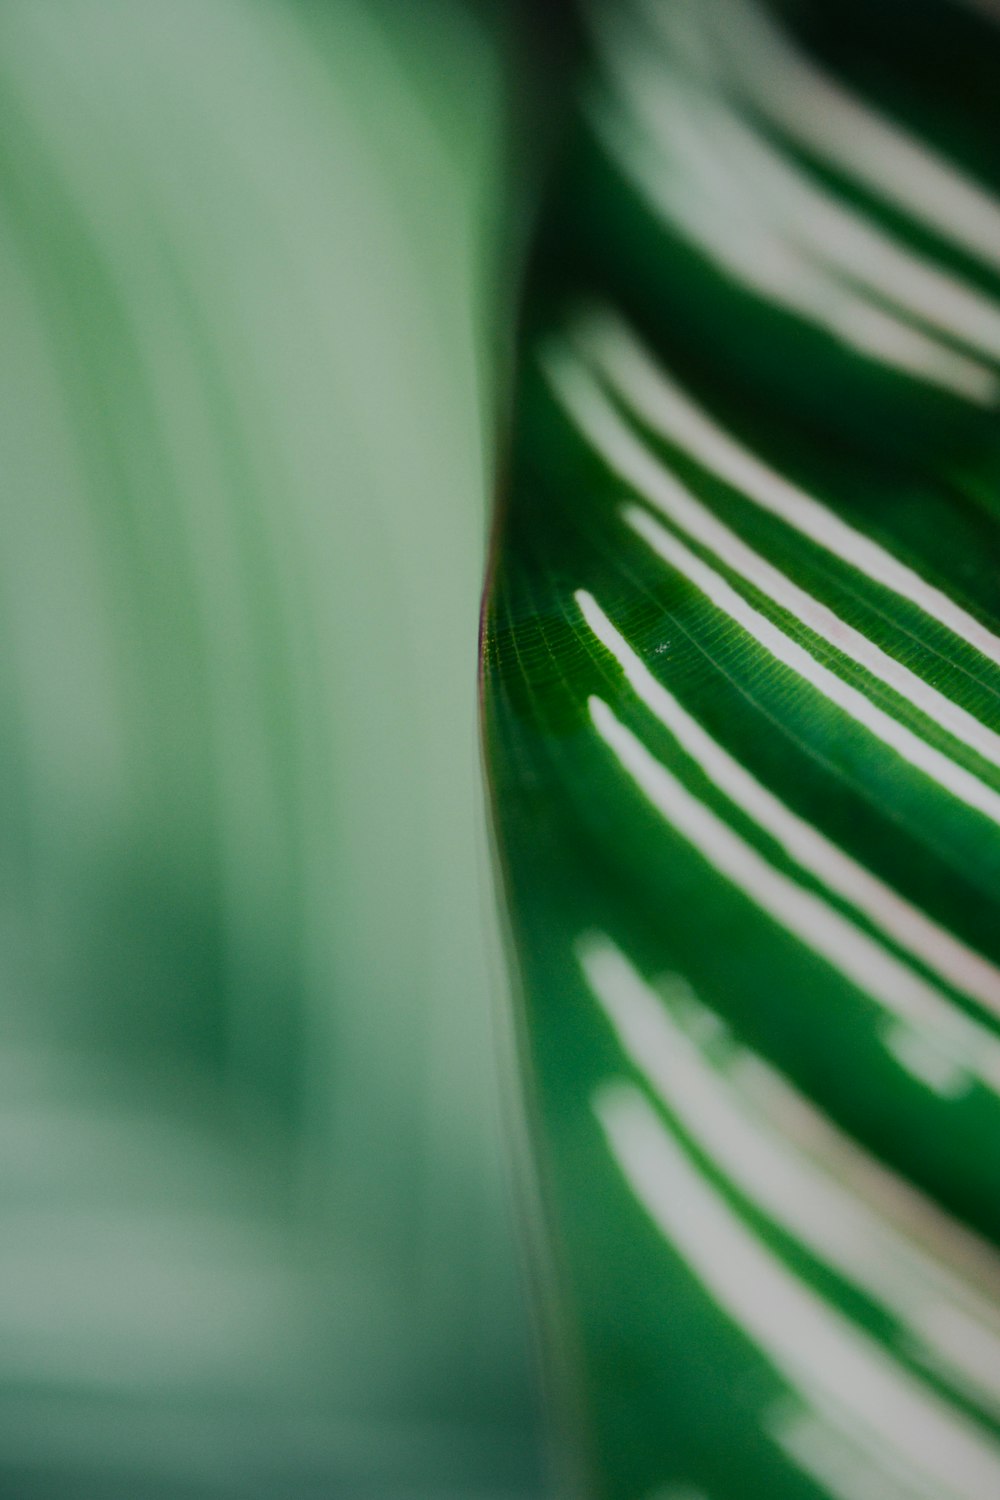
[(742, 716)]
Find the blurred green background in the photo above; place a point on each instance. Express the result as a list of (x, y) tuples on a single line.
[(256, 1235)]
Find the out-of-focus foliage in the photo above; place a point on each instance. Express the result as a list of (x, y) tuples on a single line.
[(253, 1234), (743, 724)]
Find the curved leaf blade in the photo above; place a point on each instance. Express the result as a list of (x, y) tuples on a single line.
[(742, 665)]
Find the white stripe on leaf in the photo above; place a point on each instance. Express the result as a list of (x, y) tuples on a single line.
[(952, 778), (843, 1465), (670, 412), (826, 1359), (966, 1047), (953, 1326), (708, 148), (904, 923), (628, 457), (759, 257), (837, 126)]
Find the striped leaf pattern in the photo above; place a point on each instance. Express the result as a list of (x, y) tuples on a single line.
[(742, 671)]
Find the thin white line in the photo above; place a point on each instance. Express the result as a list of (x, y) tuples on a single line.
[(938, 948), (811, 1344), (955, 779), (840, 1464), (897, 1201), (843, 129), (857, 957), (937, 1307), (760, 258), (628, 457), (669, 411), (694, 120), (858, 249)]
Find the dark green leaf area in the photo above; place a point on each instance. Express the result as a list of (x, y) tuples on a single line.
[(666, 1375), (594, 845), (945, 530), (743, 733), (790, 1020), (603, 235), (671, 1389), (934, 64), (564, 531)]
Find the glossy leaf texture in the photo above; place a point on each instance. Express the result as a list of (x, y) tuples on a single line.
[(742, 717)]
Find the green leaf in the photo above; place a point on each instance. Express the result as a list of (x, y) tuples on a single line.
[(254, 1238), (742, 678)]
